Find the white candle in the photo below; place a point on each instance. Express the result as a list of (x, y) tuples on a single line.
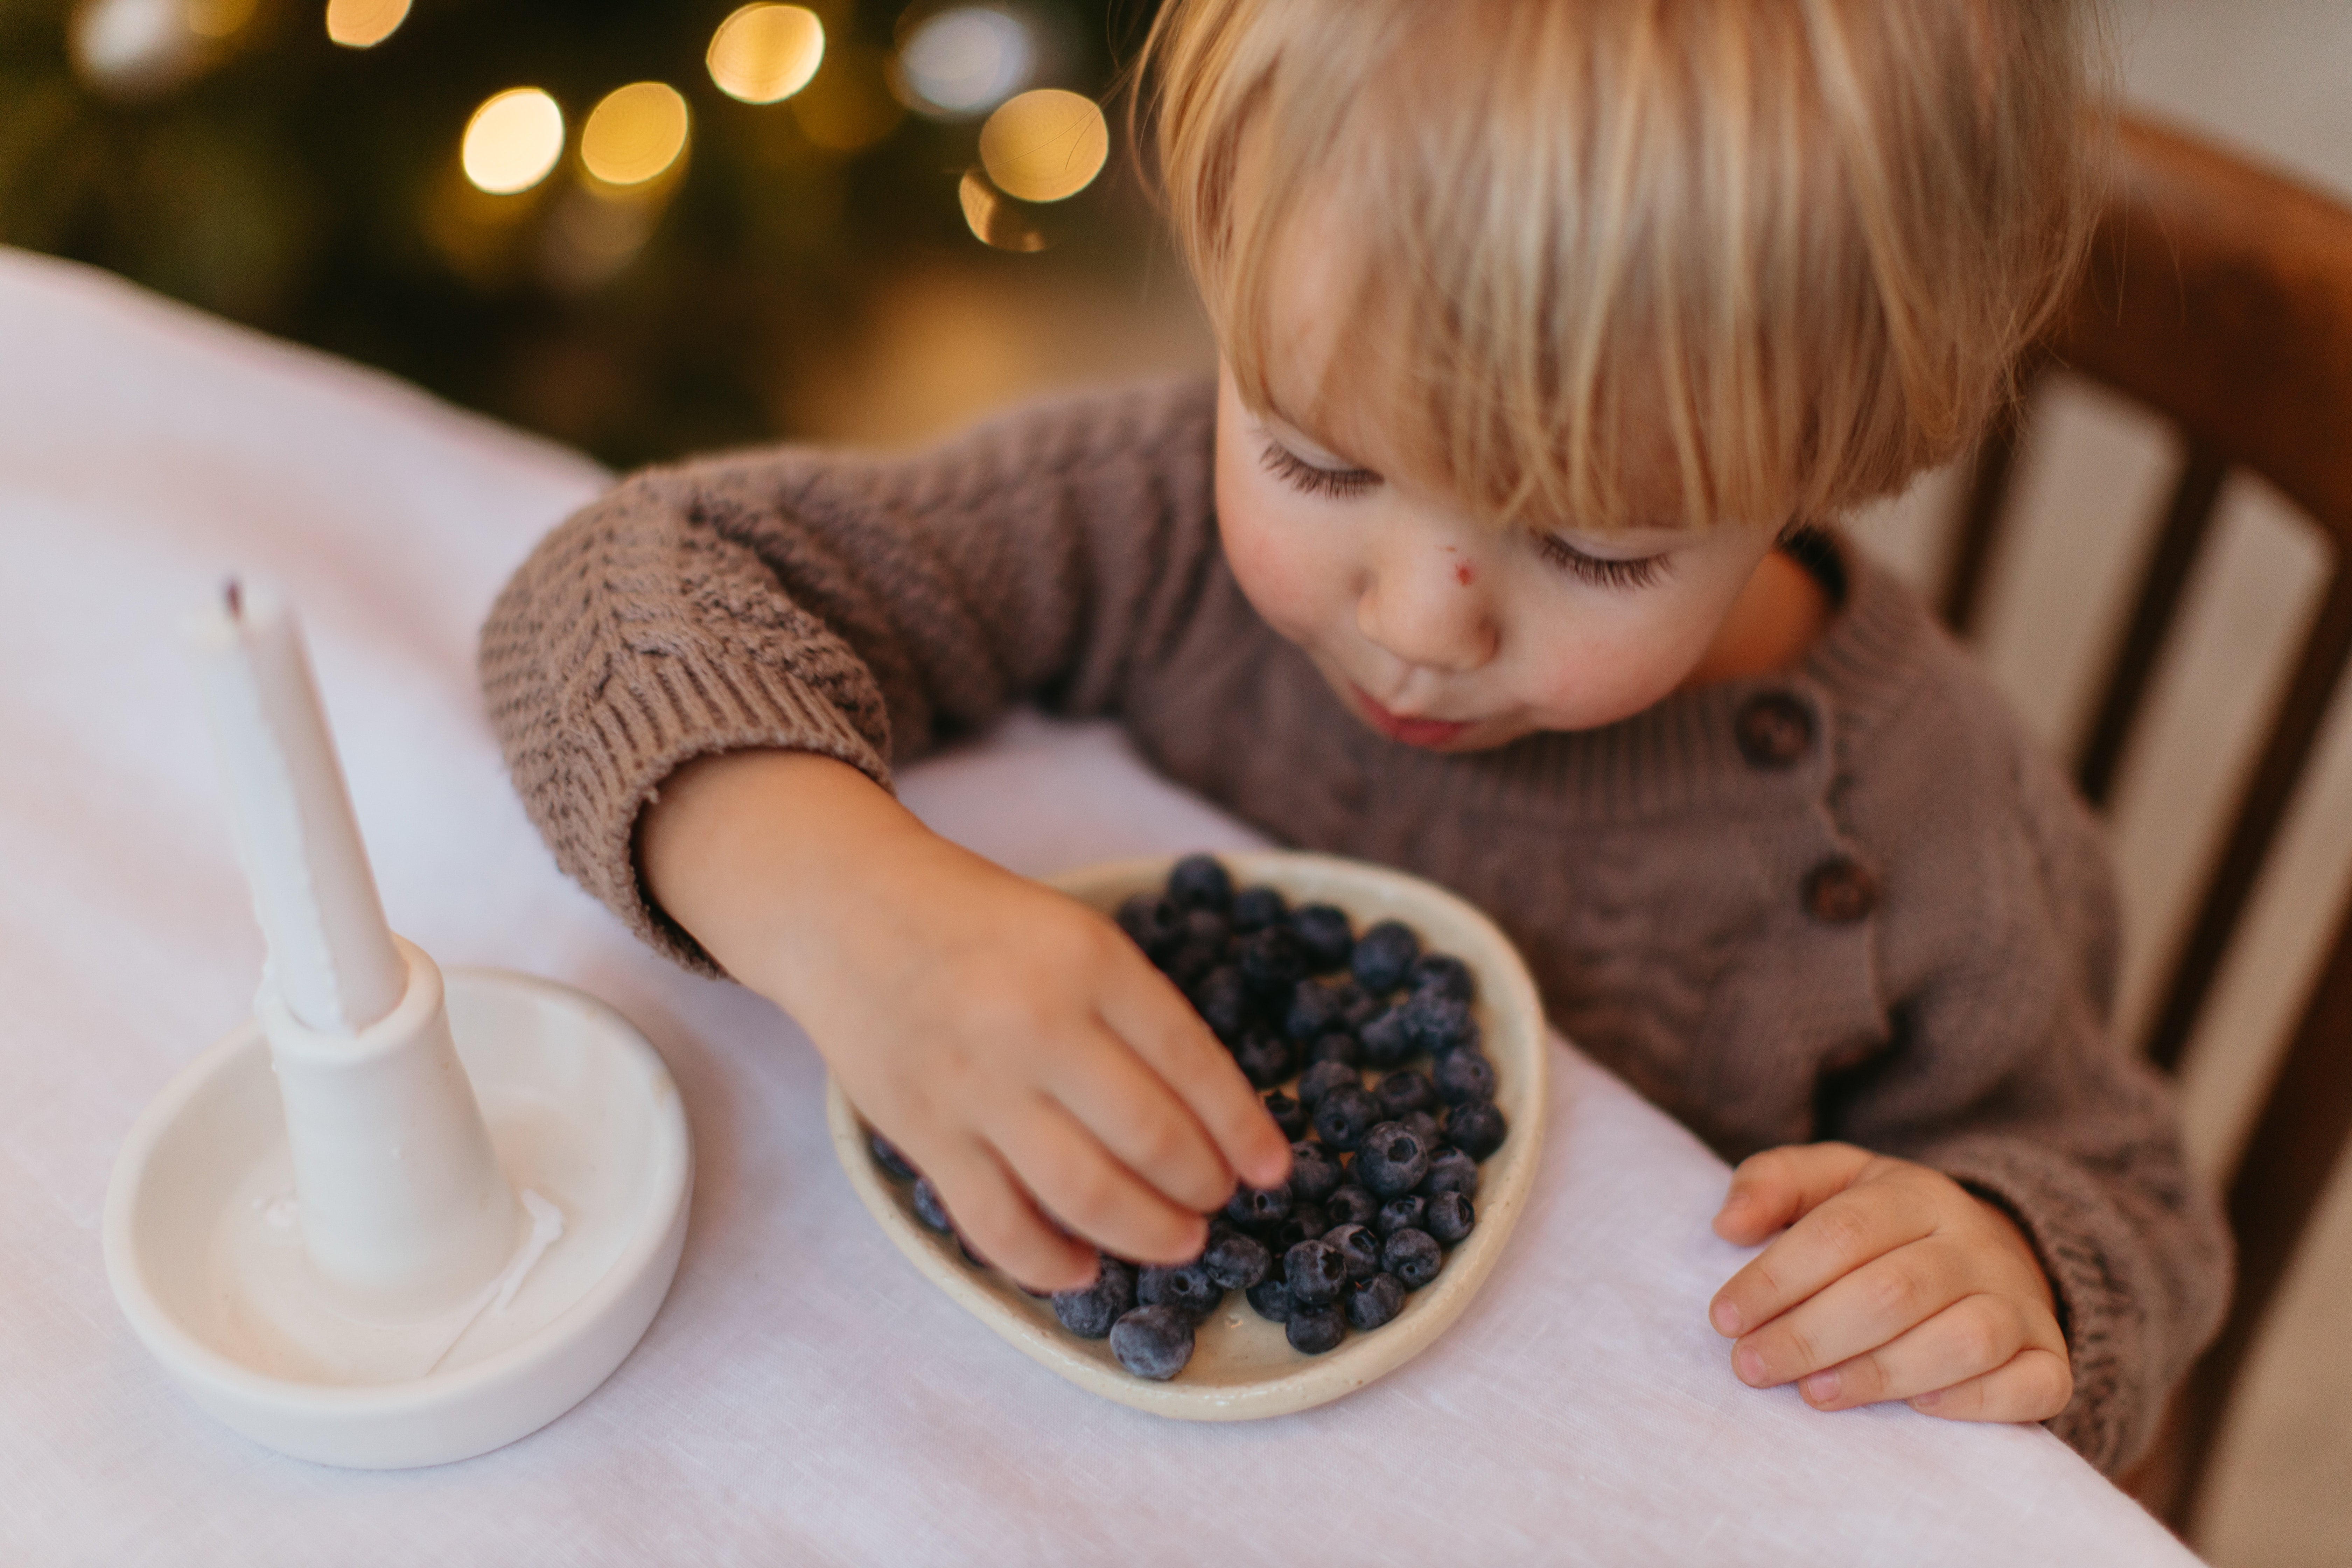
[(332, 958)]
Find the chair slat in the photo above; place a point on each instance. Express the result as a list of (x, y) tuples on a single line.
[(2187, 521), (2294, 728)]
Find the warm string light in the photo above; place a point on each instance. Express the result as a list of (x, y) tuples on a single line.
[(513, 141), (363, 24), (964, 60), (634, 134), (764, 53), (1046, 145)]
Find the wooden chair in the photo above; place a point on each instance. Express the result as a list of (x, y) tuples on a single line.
[(2219, 295)]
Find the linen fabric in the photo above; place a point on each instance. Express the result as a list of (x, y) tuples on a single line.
[(1854, 901)]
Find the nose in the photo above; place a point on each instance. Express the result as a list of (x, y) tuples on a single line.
[(1430, 610)]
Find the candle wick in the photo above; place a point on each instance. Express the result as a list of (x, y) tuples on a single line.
[(234, 594)]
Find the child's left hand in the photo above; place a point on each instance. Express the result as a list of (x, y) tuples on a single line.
[(1893, 1281)]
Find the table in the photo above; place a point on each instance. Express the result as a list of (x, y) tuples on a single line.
[(804, 1396)]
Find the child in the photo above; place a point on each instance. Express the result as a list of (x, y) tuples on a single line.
[(1552, 335)]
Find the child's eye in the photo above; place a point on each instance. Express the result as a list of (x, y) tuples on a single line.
[(1602, 571), (1301, 475)]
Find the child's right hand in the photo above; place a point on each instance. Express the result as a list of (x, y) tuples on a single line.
[(1010, 1040)]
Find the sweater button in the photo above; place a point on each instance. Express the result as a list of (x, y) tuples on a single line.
[(1840, 891), (1775, 730)]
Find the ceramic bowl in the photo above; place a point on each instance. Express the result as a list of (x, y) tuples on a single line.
[(1242, 1367)]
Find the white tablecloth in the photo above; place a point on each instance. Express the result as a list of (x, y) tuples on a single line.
[(804, 1396)]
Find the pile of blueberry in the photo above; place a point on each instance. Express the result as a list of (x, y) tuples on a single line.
[(1382, 1173)]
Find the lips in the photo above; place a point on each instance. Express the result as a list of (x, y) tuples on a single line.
[(1425, 732)]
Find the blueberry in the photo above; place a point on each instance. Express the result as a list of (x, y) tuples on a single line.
[(1223, 1002), (1189, 963), (1413, 1256), (929, 1209), (1271, 1299), (1452, 1171), (886, 1156), (1153, 923), (1090, 1312), (1187, 1287), (1401, 1092), (1373, 1301), (1272, 963), (1360, 1249), (1344, 1114), (1358, 1006), (1336, 1047), (1313, 1173), (1255, 909), (1289, 1115), (1464, 1075), (1444, 973), (1392, 1161), (1323, 931), (1199, 882), (1450, 1217), (1306, 1222), (1153, 1341), (1208, 929), (1237, 1262), (1314, 1010), (1265, 1058), (1314, 1271), (1254, 1209), (1322, 1077), (1476, 1128), (1350, 1205), (1423, 1126), (1400, 1214), (1313, 1329), (1388, 1039), (1434, 1022), (1383, 955)]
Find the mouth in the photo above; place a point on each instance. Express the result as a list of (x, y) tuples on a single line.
[(1428, 733)]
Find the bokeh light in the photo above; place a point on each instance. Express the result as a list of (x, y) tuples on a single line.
[(965, 60), (994, 220), (1046, 145), (363, 24), (513, 141), (634, 134), (133, 46), (763, 54)]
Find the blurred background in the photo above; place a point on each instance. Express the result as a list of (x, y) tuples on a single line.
[(644, 227), (640, 229)]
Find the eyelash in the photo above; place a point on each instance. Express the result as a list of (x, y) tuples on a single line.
[(1301, 475), (1602, 572)]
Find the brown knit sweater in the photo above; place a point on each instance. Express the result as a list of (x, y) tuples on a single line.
[(1853, 900)]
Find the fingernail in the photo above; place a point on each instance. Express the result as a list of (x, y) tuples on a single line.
[(1734, 1203), (1748, 1363), (1725, 1319), (1926, 1401), (1821, 1387)]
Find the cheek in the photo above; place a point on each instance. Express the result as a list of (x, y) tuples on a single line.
[(1283, 566), (1598, 669)]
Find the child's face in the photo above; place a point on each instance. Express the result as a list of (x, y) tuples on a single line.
[(1433, 628)]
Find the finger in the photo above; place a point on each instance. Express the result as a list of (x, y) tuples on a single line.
[(998, 1220), (1132, 1111), (1856, 1312), (2034, 1385), (1074, 1178), (1830, 1242), (1772, 1189), (1965, 1340), (1143, 1007)]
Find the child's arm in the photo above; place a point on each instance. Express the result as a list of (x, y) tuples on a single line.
[(2027, 1241), (808, 618), (1013, 1042)]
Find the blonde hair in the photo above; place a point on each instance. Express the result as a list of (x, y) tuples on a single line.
[(1788, 251)]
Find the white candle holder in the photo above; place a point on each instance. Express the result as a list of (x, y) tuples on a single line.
[(403, 1237)]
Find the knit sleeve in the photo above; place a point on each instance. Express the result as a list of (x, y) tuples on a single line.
[(2005, 1075), (858, 607)]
